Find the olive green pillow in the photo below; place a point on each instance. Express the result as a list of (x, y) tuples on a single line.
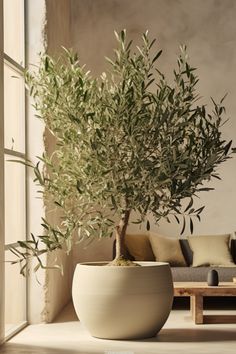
[(211, 250), (167, 249), (139, 247)]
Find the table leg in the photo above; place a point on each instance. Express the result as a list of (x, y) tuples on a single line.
[(196, 303)]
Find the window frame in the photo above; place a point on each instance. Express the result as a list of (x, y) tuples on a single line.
[(4, 58), (2, 226)]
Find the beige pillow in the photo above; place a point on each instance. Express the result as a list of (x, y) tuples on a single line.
[(211, 250), (167, 249), (138, 245)]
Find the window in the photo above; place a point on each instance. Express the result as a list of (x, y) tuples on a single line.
[(12, 147)]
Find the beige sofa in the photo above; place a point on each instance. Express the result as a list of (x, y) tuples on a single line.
[(138, 247)]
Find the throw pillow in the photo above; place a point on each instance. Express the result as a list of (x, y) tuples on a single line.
[(167, 249), (211, 250), (139, 247), (186, 250), (233, 249)]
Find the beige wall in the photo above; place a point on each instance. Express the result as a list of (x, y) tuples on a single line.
[(49, 291), (58, 26), (57, 286), (35, 44), (2, 304), (209, 30)]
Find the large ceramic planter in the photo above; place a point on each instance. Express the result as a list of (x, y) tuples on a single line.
[(123, 302)]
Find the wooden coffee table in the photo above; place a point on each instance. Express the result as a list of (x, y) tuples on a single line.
[(197, 291)]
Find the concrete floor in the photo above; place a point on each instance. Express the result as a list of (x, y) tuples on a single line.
[(179, 335)]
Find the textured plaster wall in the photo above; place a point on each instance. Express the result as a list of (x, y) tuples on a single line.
[(58, 28), (49, 29), (209, 30), (35, 43), (2, 226), (57, 286)]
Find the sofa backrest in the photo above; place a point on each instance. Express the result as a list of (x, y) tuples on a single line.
[(187, 252)]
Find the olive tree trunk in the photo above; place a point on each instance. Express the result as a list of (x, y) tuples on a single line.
[(120, 236)]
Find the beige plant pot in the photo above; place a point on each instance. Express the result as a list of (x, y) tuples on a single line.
[(123, 302)]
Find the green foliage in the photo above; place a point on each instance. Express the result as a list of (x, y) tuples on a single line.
[(125, 141)]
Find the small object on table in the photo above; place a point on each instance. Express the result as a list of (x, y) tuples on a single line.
[(212, 278), (234, 279)]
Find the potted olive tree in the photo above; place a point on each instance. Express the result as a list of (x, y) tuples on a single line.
[(125, 142)]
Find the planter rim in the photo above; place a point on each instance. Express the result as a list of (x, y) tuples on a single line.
[(142, 263)]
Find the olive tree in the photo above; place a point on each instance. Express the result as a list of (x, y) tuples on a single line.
[(126, 141)]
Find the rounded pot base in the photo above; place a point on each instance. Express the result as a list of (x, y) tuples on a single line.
[(123, 302)]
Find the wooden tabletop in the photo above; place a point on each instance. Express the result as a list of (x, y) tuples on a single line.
[(201, 288)]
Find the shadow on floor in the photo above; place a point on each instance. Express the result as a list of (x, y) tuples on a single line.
[(67, 314), (11, 348), (182, 335), (186, 335)]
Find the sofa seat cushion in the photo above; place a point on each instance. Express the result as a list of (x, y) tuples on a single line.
[(190, 274)]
